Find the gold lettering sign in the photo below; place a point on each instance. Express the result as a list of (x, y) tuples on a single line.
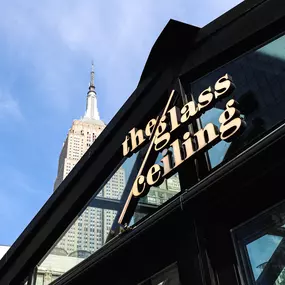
[(175, 151)]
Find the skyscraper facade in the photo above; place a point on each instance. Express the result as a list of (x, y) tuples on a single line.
[(90, 230)]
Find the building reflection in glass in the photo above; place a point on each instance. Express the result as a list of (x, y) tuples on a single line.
[(259, 77)]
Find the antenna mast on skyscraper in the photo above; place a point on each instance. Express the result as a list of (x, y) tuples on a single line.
[(92, 77)]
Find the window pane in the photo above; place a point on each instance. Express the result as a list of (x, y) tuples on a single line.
[(157, 196), (89, 231), (259, 77), (167, 188), (261, 247), (160, 194), (260, 251)]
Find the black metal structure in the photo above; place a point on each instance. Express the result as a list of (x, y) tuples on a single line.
[(192, 230)]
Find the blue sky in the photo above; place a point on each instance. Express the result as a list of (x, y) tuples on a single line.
[(261, 250), (45, 53)]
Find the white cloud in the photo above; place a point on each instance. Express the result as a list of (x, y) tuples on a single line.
[(54, 36)]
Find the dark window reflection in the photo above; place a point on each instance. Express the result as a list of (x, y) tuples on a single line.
[(261, 248), (259, 77)]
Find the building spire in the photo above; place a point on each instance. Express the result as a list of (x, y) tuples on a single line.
[(92, 77), (91, 101)]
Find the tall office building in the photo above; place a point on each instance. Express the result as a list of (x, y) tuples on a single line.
[(81, 135), (90, 230)]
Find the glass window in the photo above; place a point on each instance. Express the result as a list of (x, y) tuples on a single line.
[(71, 249), (260, 246), (259, 77), (153, 154)]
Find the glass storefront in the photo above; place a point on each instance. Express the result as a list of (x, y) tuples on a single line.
[(93, 226), (259, 77), (89, 231)]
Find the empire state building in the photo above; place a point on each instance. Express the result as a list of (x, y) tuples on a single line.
[(81, 135), (90, 230)]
